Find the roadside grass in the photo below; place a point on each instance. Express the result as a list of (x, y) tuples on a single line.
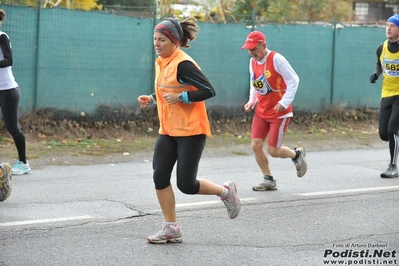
[(47, 137), (89, 147)]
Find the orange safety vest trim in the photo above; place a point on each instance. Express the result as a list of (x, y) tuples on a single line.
[(266, 103), (179, 119)]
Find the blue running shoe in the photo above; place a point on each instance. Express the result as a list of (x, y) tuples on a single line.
[(20, 168)]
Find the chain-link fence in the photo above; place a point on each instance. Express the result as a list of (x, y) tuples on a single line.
[(84, 63)]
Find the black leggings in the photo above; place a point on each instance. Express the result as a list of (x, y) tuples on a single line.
[(389, 125), (9, 102), (187, 151)]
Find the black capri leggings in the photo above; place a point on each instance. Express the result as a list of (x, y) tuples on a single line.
[(187, 151), (9, 100)]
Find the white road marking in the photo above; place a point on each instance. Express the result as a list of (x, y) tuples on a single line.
[(42, 221), (204, 203), (344, 191)]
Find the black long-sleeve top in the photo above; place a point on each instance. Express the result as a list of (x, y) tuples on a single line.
[(187, 72), (6, 49)]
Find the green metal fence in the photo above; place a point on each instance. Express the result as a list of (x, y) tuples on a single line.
[(80, 61)]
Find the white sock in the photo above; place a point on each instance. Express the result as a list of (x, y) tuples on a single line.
[(172, 225), (225, 192)]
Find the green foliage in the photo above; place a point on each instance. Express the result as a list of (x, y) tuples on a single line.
[(265, 10), (70, 4), (140, 3), (291, 10), (20, 2), (246, 7)]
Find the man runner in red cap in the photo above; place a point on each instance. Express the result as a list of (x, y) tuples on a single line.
[(273, 84)]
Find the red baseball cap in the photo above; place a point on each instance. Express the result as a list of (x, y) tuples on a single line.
[(253, 39)]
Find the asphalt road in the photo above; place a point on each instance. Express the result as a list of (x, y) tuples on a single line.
[(340, 212)]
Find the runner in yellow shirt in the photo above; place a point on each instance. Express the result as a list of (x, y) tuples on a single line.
[(388, 65)]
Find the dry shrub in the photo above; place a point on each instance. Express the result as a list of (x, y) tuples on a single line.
[(335, 116), (110, 123)]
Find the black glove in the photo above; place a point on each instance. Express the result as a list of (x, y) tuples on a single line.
[(373, 78)]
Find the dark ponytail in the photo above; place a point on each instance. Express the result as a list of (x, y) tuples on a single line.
[(2, 14), (190, 31)]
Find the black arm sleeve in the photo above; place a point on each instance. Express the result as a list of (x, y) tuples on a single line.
[(187, 72), (393, 47), (6, 49), (378, 68)]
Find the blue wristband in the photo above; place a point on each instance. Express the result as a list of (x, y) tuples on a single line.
[(185, 97), (153, 102)]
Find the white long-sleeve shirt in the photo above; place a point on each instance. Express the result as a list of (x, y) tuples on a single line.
[(283, 67)]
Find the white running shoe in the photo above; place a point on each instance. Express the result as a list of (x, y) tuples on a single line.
[(167, 234), (231, 200), (300, 163)]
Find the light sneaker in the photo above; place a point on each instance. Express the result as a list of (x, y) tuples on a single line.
[(391, 172), (167, 234), (231, 200), (266, 184), (20, 168), (300, 163), (5, 181)]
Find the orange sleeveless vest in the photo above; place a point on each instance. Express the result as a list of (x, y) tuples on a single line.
[(179, 119)]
